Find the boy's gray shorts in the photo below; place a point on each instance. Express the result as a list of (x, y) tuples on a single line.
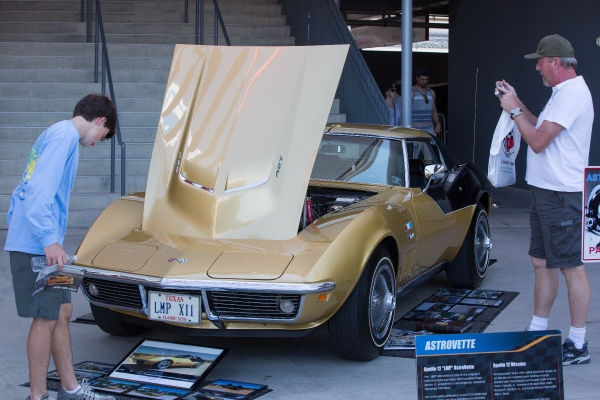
[(555, 220), (45, 304)]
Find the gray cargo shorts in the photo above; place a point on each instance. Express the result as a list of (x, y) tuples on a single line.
[(555, 220), (45, 304)]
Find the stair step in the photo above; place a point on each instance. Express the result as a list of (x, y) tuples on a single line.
[(138, 17), (60, 89), (78, 218), (86, 183), (81, 75), (48, 118), (86, 166), (225, 6), (110, 29), (149, 39), (30, 133), (20, 150), (66, 104)]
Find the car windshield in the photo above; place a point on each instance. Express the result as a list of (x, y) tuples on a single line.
[(360, 159)]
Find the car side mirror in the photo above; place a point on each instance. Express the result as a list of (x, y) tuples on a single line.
[(434, 171)]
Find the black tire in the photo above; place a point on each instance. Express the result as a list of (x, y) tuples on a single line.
[(361, 327), (471, 263), (108, 322), (162, 364)]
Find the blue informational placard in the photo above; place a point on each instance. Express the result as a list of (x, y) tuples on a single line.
[(505, 365)]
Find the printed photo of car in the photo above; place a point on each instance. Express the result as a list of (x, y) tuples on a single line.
[(179, 361), (258, 218), (53, 280)]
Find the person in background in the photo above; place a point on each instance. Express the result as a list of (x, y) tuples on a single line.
[(559, 146), (424, 110), (392, 99), (37, 223)]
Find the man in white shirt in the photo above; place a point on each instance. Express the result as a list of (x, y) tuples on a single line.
[(559, 146)]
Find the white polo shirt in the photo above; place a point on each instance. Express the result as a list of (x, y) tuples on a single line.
[(560, 166)]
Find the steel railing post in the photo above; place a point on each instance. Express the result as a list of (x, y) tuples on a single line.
[(89, 22)]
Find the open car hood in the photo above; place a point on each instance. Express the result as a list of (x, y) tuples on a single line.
[(237, 138)]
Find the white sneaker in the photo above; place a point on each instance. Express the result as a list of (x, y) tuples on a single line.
[(85, 393)]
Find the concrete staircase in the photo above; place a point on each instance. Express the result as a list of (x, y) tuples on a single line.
[(46, 67)]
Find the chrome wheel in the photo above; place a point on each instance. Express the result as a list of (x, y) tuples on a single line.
[(164, 364), (482, 243), (382, 303)]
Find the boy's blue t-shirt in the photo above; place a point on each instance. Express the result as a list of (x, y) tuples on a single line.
[(39, 206)]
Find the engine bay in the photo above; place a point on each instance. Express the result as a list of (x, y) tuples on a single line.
[(321, 201)]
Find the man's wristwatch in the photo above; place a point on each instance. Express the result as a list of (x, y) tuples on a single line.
[(515, 112)]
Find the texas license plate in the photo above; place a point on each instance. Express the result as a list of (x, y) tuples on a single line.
[(172, 307)]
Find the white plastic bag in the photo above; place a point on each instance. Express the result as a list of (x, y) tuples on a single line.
[(503, 152)]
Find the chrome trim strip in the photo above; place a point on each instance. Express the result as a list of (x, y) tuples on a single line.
[(123, 277), (263, 287), (144, 298), (194, 184), (234, 286), (209, 314), (248, 186)]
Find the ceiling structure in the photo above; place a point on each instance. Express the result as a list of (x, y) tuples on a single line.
[(388, 12)]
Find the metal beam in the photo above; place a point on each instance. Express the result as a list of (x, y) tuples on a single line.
[(407, 24), (393, 23)]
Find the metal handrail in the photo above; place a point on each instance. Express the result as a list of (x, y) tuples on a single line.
[(319, 22), (199, 32), (106, 73)]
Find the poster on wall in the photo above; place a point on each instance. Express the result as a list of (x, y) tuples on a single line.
[(482, 366), (591, 215)]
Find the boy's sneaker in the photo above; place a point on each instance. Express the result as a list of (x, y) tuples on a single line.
[(85, 393), (572, 355), (44, 397)]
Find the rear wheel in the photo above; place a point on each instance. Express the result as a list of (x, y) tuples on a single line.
[(108, 322), (363, 324), (471, 263)]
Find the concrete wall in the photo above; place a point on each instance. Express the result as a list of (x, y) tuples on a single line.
[(487, 42)]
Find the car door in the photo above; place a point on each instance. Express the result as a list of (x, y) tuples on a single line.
[(438, 225)]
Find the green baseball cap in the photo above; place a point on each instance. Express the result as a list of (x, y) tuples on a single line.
[(553, 46)]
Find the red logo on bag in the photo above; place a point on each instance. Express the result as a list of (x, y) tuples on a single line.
[(508, 143)]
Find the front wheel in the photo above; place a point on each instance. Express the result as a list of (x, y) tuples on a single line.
[(363, 324), (163, 364), (470, 266), (108, 322)]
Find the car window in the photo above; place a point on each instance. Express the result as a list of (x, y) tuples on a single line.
[(360, 159), (422, 150), (421, 153)]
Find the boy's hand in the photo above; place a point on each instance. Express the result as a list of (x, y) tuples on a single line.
[(55, 255)]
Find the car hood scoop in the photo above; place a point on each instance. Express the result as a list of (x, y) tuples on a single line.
[(237, 138)]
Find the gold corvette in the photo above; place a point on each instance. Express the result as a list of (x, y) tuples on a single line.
[(160, 362), (256, 222)]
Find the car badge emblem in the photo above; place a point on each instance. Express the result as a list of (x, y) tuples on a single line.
[(411, 237), (179, 260), (408, 226)]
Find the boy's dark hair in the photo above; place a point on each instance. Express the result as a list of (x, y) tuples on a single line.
[(97, 105)]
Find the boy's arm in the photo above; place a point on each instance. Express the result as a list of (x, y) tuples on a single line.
[(40, 194)]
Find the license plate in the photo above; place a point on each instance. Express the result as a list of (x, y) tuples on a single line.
[(172, 307)]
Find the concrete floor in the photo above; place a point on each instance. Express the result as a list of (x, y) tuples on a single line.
[(308, 368)]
